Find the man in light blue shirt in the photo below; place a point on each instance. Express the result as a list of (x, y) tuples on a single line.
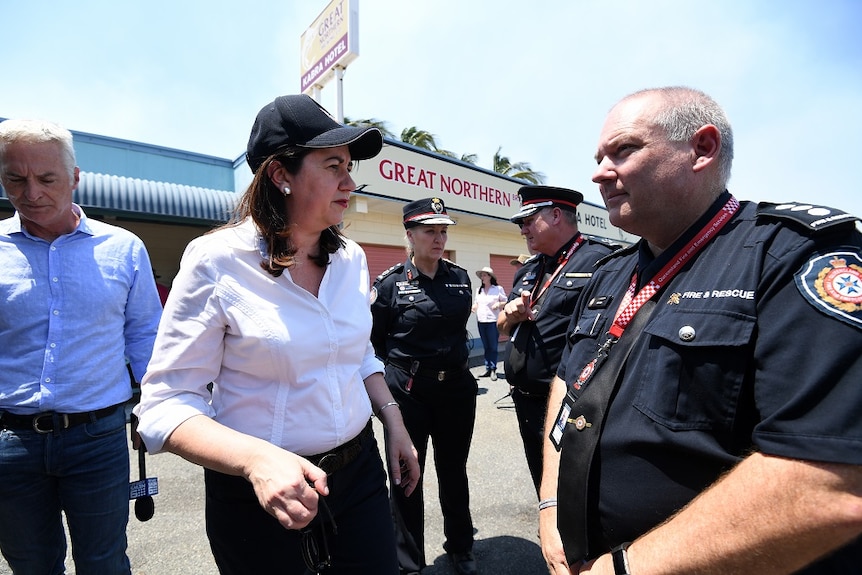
[(77, 298)]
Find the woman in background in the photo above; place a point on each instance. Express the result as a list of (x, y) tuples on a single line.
[(490, 299)]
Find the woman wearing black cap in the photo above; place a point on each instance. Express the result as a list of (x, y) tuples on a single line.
[(273, 310), (420, 310)]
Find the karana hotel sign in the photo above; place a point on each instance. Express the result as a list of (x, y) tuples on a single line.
[(332, 40)]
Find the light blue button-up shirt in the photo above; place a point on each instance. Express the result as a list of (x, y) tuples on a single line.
[(71, 312)]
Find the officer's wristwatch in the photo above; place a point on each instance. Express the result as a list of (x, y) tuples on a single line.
[(621, 559)]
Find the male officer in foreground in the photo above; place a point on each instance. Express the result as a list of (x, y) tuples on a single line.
[(708, 405), (541, 303)]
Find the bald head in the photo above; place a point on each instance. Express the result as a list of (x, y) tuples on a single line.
[(681, 111), (660, 162)]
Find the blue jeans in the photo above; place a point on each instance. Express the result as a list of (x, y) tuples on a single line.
[(82, 471), (489, 335)]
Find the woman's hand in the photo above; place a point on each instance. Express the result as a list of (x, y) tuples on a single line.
[(401, 455), (403, 458), (287, 486)]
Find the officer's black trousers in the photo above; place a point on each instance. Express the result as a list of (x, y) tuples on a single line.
[(530, 410), (444, 412)]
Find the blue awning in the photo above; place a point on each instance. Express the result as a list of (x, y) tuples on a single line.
[(132, 197)]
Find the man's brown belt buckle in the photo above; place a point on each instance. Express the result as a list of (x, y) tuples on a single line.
[(63, 420)]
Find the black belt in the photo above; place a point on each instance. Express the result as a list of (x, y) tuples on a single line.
[(48, 421), (338, 458), (532, 394), (415, 369)]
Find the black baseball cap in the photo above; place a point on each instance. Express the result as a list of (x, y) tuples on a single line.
[(426, 211), (534, 198), (298, 120)]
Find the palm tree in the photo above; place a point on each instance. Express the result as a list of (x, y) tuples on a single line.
[(517, 170), (466, 158), (469, 158), (419, 138), (373, 123), (427, 141)]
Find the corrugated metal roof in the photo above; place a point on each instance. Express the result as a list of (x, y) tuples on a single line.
[(132, 197)]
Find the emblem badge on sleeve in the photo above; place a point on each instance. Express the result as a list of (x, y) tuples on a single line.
[(832, 283)]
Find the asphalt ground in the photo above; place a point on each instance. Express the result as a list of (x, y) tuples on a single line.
[(503, 504)]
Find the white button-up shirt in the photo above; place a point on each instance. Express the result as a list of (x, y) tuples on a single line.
[(485, 299), (286, 366)]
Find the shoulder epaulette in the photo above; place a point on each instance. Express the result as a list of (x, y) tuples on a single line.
[(621, 251), (813, 217), (453, 264), (393, 269), (604, 242)]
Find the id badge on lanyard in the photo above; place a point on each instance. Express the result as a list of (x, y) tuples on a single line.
[(564, 415)]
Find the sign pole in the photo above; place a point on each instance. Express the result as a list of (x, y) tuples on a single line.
[(339, 93)]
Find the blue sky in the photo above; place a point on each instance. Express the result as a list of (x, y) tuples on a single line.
[(536, 78)]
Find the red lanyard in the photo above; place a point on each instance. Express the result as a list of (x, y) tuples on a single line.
[(534, 297), (632, 303)]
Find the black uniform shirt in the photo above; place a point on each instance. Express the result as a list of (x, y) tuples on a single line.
[(532, 355), (420, 318), (756, 344)]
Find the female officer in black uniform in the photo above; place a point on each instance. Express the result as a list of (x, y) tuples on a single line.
[(420, 309)]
